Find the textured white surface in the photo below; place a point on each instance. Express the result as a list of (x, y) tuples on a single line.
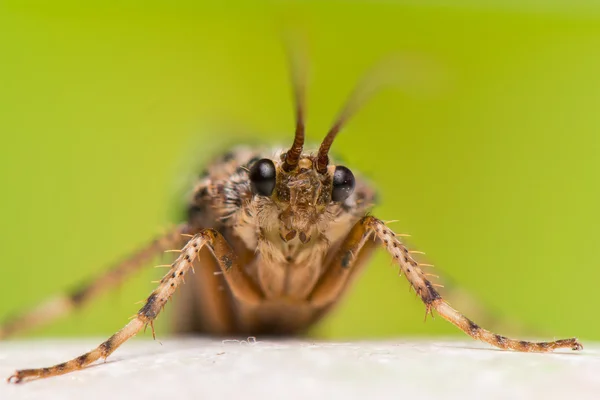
[(215, 369)]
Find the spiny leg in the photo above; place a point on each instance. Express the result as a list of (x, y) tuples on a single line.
[(236, 278), (58, 306), (473, 305), (334, 280)]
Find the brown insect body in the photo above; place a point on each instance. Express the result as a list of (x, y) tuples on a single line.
[(274, 242), (286, 240)]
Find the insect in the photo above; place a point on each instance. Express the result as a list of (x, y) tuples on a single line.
[(283, 233)]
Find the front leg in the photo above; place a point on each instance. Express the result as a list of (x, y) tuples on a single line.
[(334, 280), (241, 287)]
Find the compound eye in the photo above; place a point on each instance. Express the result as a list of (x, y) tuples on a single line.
[(263, 177), (343, 184)]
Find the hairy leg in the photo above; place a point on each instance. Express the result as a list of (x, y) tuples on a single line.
[(334, 280), (61, 305), (236, 278)]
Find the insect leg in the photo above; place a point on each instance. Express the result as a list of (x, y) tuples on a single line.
[(241, 286), (58, 306), (424, 288)]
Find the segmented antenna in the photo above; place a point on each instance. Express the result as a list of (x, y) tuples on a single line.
[(298, 68), (403, 72), (366, 87)]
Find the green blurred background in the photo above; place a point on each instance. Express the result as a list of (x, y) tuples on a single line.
[(108, 110)]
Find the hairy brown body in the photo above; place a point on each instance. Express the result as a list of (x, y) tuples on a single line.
[(285, 272)]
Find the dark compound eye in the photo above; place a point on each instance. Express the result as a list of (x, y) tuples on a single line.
[(263, 177), (343, 184)]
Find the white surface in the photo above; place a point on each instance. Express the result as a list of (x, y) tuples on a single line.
[(214, 369)]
